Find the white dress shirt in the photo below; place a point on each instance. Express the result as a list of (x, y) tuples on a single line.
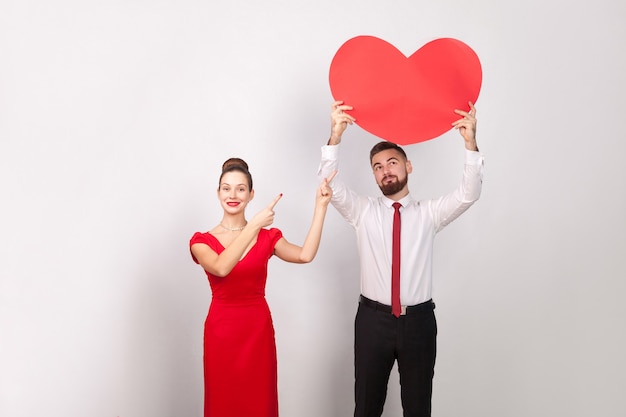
[(372, 219)]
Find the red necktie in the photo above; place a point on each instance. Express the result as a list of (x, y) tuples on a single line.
[(395, 262)]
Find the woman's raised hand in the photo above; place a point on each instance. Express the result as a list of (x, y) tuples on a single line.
[(324, 191), (265, 217)]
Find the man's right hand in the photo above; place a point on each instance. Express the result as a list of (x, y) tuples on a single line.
[(339, 121)]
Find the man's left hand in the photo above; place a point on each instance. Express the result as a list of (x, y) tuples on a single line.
[(467, 127)]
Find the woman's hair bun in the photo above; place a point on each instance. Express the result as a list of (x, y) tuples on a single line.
[(231, 163)]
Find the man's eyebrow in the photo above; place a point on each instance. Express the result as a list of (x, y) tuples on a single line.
[(392, 158)]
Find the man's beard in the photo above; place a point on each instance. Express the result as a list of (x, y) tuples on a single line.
[(394, 186)]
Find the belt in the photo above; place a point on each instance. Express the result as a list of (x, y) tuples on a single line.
[(406, 310)]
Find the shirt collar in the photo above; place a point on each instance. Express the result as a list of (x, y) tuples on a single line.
[(404, 201)]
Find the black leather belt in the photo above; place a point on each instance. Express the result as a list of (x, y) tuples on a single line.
[(425, 306)]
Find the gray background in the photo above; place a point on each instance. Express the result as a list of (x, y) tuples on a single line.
[(115, 117)]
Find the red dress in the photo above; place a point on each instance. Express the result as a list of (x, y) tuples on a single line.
[(240, 376)]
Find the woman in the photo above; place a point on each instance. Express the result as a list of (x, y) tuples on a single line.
[(239, 347)]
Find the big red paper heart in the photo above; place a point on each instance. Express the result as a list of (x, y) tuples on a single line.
[(405, 100)]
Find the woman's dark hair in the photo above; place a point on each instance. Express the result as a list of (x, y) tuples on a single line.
[(236, 164)]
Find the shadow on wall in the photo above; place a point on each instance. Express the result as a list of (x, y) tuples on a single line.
[(166, 311)]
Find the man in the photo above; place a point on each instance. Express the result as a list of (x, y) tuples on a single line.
[(396, 320)]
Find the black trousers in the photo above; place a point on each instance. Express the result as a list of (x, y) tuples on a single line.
[(380, 339)]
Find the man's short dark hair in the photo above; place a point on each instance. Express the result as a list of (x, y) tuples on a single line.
[(383, 146)]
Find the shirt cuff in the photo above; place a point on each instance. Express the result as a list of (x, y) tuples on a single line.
[(330, 152), (473, 158)]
